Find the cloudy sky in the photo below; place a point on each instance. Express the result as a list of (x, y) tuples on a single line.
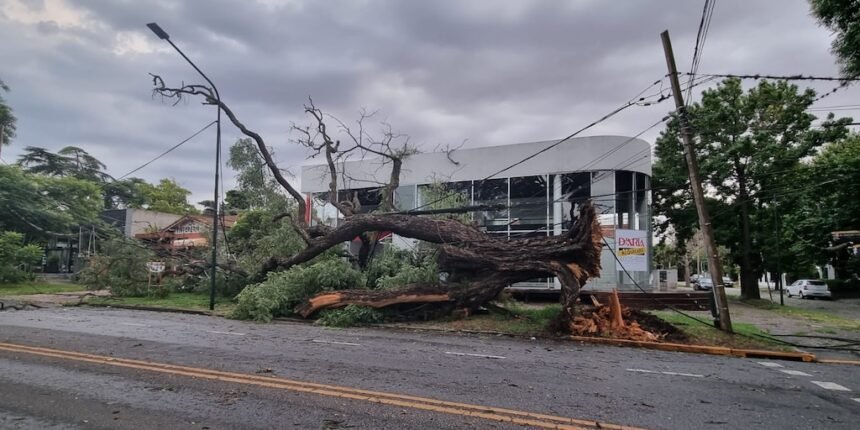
[(443, 72)]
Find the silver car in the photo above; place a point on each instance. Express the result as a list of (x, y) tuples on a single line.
[(808, 288)]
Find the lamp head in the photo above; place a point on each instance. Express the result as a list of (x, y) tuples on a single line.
[(158, 31)]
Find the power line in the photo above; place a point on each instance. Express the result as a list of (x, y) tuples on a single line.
[(798, 77), (168, 151), (701, 35), (614, 112)]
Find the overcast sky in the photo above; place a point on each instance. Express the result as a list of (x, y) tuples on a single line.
[(443, 72)]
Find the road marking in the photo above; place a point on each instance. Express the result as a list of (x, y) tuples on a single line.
[(234, 333), (692, 375), (830, 386), (856, 399), (334, 342), (383, 398), (794, 372), (466, 354), (769, 364), (134, 324)]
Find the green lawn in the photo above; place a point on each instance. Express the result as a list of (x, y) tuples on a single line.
[(192, 301), (746, 335), (26, 288), (833, 322), (522, 320)]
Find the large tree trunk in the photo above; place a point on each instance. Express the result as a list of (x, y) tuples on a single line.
[(479, 266)]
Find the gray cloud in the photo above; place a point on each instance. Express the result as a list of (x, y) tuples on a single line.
[(443, 72)]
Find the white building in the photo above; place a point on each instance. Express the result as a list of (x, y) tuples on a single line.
[(613, 171)]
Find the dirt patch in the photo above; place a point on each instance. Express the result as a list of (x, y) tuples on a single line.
[(666, 331)]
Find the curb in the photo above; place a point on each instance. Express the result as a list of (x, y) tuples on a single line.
[(701, 349), (838, 361)]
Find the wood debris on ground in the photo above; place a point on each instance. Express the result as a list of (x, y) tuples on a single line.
[(609, 320)]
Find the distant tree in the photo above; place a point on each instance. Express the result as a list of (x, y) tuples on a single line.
[(237, 200), (42, 206), (123, 193), (7, 118), (254, 179), (69, 161), (810, 214), (749, 145), (168, 196), (842, 17)]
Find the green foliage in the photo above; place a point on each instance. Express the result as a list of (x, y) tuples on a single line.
[(351, 315), (168, 196), (396, 268), (41, 206), (7, 118), (16, 257), (749, 145), (69, 161), (812, 213), (256, 237), (256, 186), (840, 17), (283, 291), (121, 268)]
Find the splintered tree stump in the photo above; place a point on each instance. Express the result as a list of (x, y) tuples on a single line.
[(479, 266)]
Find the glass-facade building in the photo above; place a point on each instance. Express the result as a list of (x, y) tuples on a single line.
[(537, 198)]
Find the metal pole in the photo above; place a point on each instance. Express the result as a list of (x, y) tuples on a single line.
[(778, 254), (698, 196), (163, 35)]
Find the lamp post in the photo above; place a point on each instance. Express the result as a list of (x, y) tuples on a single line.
[(164, 36)]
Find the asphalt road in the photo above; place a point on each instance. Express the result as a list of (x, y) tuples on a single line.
[(649, 389)]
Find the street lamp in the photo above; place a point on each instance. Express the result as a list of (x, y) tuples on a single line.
[(164, 36)]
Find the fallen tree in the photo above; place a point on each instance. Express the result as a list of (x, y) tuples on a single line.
[(475, 266)]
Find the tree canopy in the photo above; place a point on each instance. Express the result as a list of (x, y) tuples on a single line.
[(841, 17), (167, 196), (41, 206), (749, 146), (7, 117)]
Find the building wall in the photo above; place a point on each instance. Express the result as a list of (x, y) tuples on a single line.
[(143, 221), (612, 171), (580, 153)]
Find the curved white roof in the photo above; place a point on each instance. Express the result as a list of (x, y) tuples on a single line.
[(576, 154)]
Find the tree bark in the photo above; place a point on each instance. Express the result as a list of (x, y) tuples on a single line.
[(479, 267)]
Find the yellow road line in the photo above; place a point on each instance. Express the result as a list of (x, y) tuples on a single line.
[(393, 399)]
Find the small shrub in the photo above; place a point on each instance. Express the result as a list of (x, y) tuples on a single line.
[(16, 258), (349, 316), (283, 291), (121, 268), (426, 272)]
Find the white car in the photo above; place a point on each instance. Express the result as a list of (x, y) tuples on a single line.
[(808, 288)]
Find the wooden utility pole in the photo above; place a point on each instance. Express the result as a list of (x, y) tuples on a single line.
[(705, 227)]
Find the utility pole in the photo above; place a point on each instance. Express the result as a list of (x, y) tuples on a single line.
[(778, 254), (705, 227)]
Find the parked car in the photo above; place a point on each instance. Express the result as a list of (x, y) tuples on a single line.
[(703, 283), (727, 282), (808, 288)]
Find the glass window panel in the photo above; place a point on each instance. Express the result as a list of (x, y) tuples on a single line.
[(624, 198), (445, 195), (603, 196), (404, 197), (491, 192), (575, 189), (643, 202), (529, 203)]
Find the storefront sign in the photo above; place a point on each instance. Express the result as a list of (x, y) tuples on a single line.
[(632, 249)]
